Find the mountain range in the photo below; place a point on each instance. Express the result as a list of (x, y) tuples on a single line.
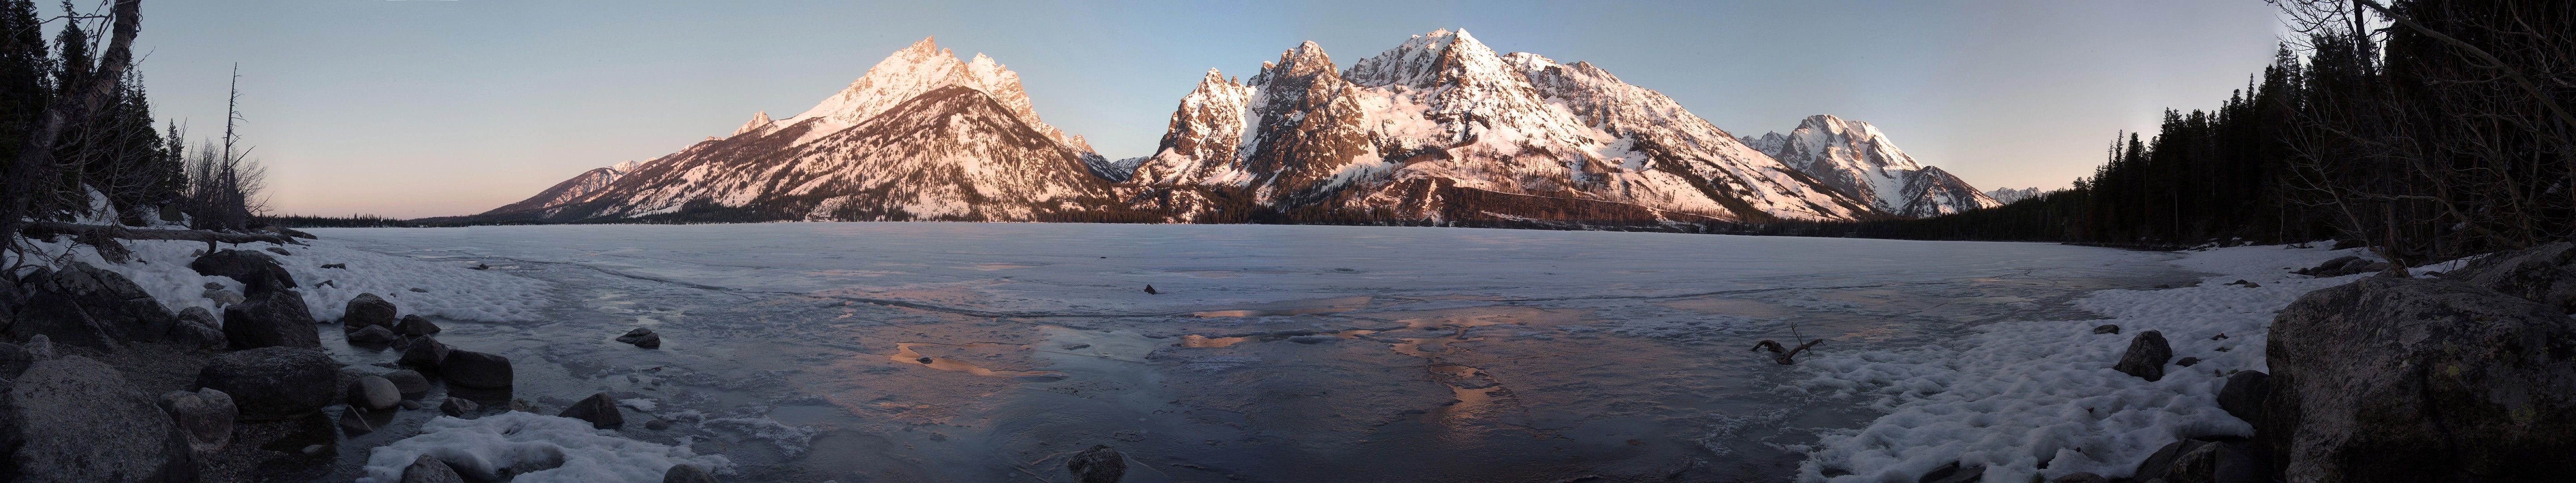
[(1440, 130)]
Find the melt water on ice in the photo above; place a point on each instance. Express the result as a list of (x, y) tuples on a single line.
[(993, 352)]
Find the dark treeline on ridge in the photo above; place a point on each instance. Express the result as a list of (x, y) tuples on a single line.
[(2426, 129)]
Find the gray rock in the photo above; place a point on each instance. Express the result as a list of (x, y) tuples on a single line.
[(354, 422), (598, 409), (409, 382), (2187, 361), (460, 407), (1953, 473), (72, 419), (1097, 465), (373, 392), (2340, 266), (257, 271), (272, 383), (2106, 329), (2368, 376), (424, 353), (2243, 395), (414, 325), (121, 308), (2146, 356), (60, 319), (373, 335), (205, 416), (279, 251), (198, 328), (2209, 461), (428, 469), (41, 347), (2545, 274), (270, 319), (475, 370), (367, 310), (687, 474), (222, 297), (642, 337)]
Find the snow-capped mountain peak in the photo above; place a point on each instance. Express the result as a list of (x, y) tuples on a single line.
[(759, 123), (1856, 158)]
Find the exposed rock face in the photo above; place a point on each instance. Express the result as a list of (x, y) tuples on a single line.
[(71, 419), (2400, 379), (598, 409), (205, 415), (274, 382), (2544, 274), (275, 318), (368, 310), (475, 370), (1857, 159), (258, 272), (2146, 357)]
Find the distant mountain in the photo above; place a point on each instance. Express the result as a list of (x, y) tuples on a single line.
[(1857, 160), (2011, 195), (921, 136)]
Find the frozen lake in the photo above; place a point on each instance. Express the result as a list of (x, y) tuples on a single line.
[(1271, 353)]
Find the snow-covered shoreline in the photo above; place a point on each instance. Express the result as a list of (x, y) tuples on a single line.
[(2041, 397)]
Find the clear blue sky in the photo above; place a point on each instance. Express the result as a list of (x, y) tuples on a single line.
[(423, 108)]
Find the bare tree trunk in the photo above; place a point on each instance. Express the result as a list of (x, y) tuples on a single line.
[(36, 159)]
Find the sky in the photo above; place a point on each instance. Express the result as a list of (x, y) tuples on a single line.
[(432, 108)]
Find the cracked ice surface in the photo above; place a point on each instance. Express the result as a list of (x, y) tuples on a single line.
[(977, 352)]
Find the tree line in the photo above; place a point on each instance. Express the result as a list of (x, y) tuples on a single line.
[(2424, 129)]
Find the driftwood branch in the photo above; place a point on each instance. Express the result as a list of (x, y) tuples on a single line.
[(53, 228)]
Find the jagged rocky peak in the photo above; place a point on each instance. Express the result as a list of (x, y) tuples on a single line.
[(919, 69), (758, 124), (1856, 158)]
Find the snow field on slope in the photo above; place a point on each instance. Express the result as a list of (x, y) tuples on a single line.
[(480, 446), (455, 292), (2016, 395)]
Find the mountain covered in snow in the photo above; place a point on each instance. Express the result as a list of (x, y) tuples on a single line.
[(1443, 129), (1855, 159), (921, 136), (2012, 195)]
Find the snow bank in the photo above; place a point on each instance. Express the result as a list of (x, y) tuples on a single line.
[(481, 446), (2018, 395), (453, 292)]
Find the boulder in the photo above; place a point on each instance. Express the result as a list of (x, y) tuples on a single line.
[(460, 407), (270, 319), (373, 392), (475, 369), (598, 409), (72, 419), (687, 474), (121, 308), (205, 416), (2545, 274), (257, 271), (409, 382), (368, 310), (373, 335), (428, 469), (415, 326), (424, 353), (2243, 395), (2408, 379), (272, 383), (198, 328), (642, 337), (2205, 460), (2146, 356), (1100, 464), (59, 318)]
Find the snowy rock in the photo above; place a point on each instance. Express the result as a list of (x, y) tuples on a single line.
[(198, 328), (414, 326), (270, 319), (409, 382), (428, 469), (424, 353), (373, 392), (373, 335), (72, 419), (459, 407), (2544, 274), (122, 309), (2146, 356), (598, 409), (256, 271), (273, 382), (367, 310), (2367, 375), (531, 448), (205, 416), (1097, 465), (687, 474), (475, 369)]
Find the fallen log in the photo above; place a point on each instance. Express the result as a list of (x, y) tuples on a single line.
[(52, 228)]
